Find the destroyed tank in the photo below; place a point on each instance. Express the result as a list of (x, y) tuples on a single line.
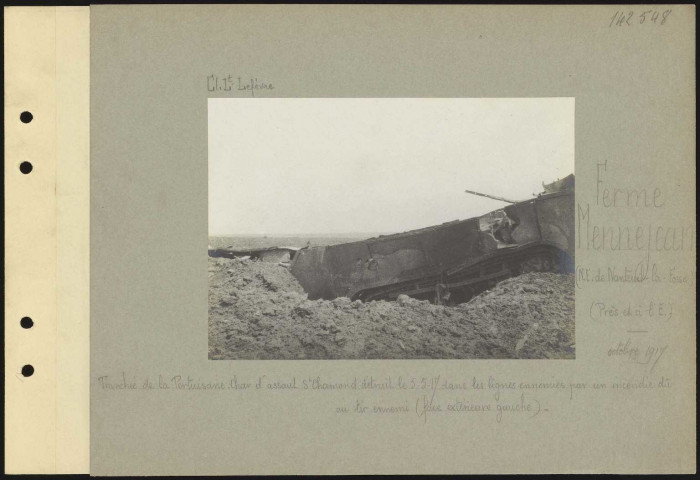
[(451, 262)]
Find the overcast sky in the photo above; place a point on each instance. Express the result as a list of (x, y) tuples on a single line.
[(380, 165)]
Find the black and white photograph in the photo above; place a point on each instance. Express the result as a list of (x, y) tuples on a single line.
[(468, 227), (392, 228)]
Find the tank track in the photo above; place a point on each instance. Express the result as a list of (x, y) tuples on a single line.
[(459, 284)]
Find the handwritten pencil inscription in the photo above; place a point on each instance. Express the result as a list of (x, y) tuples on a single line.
[(229, 83), (630, 18)]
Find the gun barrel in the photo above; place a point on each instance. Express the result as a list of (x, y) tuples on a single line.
[(494, 197)]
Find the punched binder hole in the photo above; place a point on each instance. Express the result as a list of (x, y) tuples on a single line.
[(27, 370), (25, 167), (26, 322), (26, 117)]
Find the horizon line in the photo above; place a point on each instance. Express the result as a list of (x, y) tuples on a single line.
[(325, 234)]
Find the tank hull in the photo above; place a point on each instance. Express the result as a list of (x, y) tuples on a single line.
[(449, 262)]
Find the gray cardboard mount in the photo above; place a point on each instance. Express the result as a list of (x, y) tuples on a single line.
[(631, 70)]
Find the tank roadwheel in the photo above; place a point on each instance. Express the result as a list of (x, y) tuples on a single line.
[(546, 265), (442, 294), (533, 264), (540, 263)]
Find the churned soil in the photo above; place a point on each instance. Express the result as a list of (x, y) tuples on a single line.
[(257, 310)]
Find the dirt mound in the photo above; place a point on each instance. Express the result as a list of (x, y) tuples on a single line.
[(258, 310)]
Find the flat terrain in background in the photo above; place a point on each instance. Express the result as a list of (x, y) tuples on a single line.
[(257, 241)]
